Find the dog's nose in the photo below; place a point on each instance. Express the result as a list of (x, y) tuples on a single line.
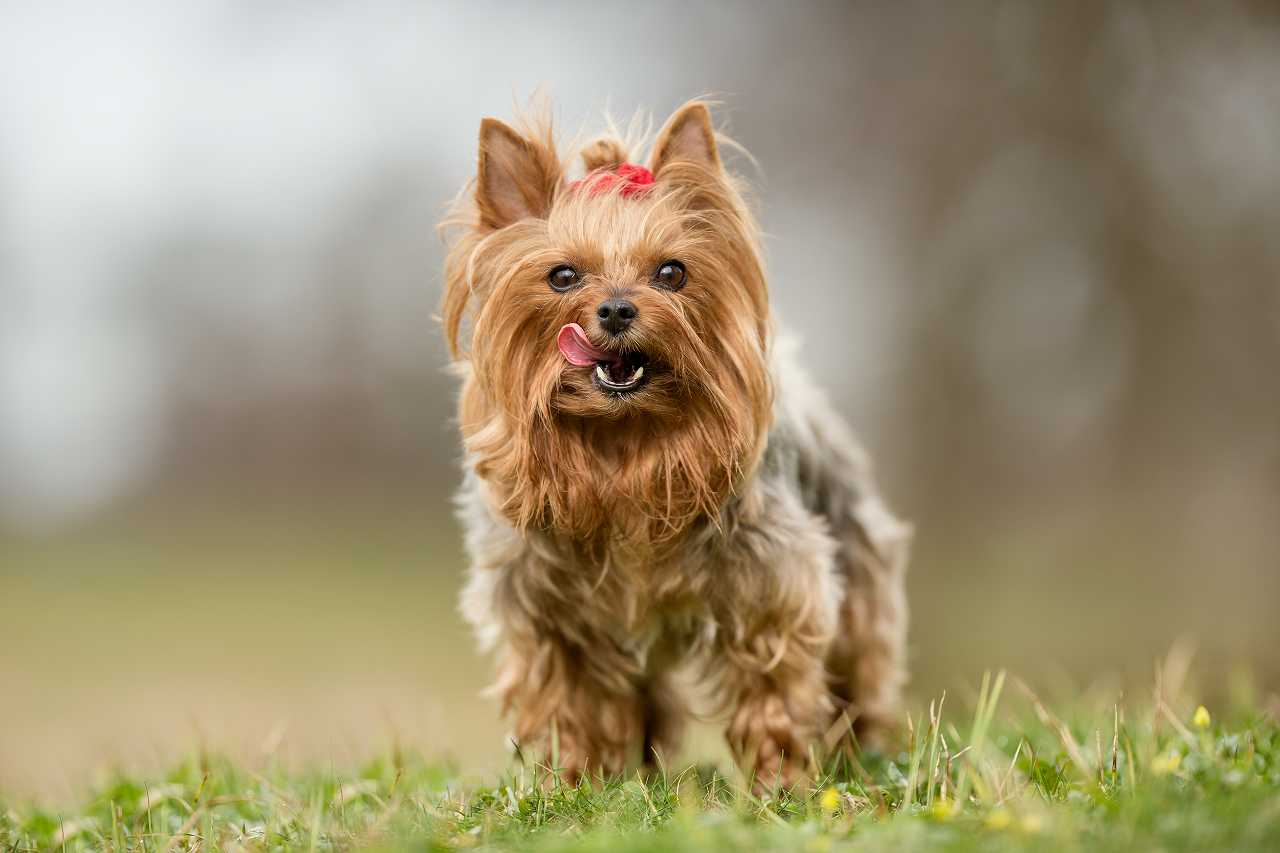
[(615, 315)]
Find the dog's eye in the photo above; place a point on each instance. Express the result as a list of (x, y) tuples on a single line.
[(562, 278), (670, 275)]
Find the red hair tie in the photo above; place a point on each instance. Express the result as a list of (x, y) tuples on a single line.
[(632, 178)]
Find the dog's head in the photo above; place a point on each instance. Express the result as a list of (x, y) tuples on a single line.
[(617, 328)]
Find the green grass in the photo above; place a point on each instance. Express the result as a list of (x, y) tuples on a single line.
[(1006, 773)]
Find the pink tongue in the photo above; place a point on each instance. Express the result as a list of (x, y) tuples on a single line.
[(577, 350)]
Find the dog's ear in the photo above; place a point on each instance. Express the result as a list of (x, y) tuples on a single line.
[(517, 178), (688, 138)]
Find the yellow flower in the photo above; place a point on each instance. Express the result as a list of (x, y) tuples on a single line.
[(999, 819), (942, 810), (1201, 718), (830, 799), (1031, 823), (1163, 765)]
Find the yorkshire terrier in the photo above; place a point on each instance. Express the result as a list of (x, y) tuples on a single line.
[(651, 480)]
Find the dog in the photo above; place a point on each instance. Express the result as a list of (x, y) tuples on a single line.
[(652, 483)]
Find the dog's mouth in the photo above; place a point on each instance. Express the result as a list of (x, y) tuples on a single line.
[(615, 372), (623, 373)]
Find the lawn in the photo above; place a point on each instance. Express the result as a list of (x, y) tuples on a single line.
[(1000, 769)]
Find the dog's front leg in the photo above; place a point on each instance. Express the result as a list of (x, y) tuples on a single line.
[(562, 673), (779, 690), (574, 702), (776, 617)]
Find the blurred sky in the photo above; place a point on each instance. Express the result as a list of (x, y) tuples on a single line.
[(1031, 250)]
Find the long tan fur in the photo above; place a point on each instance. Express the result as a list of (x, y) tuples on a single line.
[(720, 515)]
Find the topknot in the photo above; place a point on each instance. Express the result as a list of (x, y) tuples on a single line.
[(605, 152)]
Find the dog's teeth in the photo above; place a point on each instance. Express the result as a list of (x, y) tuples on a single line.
[(604, 376)]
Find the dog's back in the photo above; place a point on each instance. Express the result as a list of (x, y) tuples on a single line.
[(811, 446)]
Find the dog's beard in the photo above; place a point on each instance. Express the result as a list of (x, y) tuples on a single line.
[(566, 452)]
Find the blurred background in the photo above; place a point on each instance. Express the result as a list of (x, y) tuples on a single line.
[(1033, 251)]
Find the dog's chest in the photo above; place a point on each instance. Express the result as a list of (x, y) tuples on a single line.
[(660, 616), (666, 635)]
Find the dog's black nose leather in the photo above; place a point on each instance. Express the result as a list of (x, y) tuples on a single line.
[(615, 315)]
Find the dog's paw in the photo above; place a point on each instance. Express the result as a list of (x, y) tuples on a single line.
[(770, 743), (578, 758), (595, 740)]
